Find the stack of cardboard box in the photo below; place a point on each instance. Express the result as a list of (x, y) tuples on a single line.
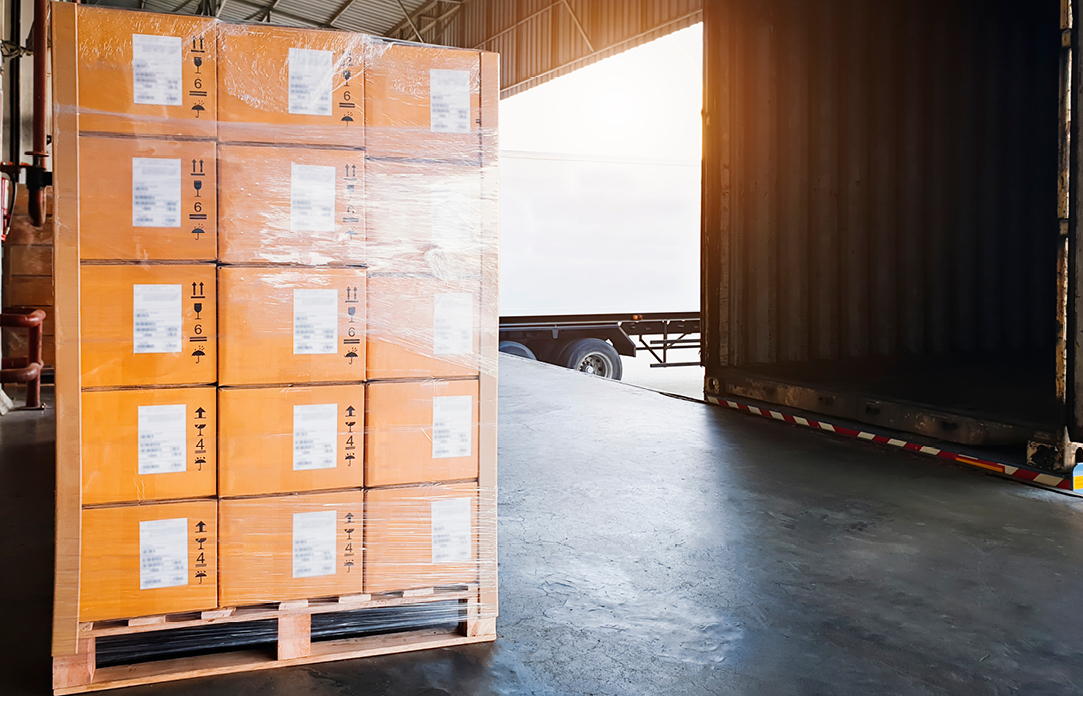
[(425, 223), (145, 218), (293, 319), (285, 347)]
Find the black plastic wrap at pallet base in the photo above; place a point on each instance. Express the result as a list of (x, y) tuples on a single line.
[(263, 635)]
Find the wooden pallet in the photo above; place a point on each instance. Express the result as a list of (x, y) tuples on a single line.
[(78, 673)]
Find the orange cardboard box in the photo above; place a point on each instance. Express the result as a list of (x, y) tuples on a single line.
[(148, 325), (147, 74), (148, 560), (424, 102), (147, 199), (289, 85), (421, 537), (422, 327), (289, 440), (421, 432), (424, 218), (285, 205), (149, 445), (291, 547), (291, 325)]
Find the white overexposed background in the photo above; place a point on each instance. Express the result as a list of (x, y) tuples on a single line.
[(600, 185), (600, 193)]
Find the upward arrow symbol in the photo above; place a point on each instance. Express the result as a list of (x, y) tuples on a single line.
[(349, 518), (349, 411), (200, 412), (200, 526)]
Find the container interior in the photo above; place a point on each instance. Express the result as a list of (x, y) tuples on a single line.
[(881, 205)]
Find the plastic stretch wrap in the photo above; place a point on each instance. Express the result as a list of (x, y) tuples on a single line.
[(287, 310)]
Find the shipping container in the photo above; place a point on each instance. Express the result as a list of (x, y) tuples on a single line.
[(885, 215)]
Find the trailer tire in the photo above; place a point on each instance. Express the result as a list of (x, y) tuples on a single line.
[(593, 357), (516, 349)]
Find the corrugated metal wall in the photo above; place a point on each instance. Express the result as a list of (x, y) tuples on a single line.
[(542, 39), (879, 178)]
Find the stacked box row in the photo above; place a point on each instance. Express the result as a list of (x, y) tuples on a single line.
[(159, 444), (285, 261), (145, 74), (166, 558)]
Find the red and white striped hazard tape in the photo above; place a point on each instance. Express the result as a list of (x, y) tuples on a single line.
[(1067, 483)]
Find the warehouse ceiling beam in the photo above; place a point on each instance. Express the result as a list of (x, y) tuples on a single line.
[(434, 21), (411, 21), (575, 19), (338, 13), (517, 24), (265, 10), (423, 12), (267, 16)]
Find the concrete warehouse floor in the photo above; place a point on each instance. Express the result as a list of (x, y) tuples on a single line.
[(650, 545)]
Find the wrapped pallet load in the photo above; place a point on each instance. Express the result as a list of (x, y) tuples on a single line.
[(276, 263)]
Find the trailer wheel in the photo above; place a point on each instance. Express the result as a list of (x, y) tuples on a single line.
[(517, 349), (593, 357)]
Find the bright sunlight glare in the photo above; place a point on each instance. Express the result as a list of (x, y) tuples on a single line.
[(644, 103)]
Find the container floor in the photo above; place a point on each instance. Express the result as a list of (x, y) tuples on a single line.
[(651, 545), (1004, 388)]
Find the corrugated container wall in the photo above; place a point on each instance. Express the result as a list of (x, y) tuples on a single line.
[(880, 179)]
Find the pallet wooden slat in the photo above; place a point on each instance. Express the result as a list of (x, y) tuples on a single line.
[(78, 672), (239, 661), (241, 615)]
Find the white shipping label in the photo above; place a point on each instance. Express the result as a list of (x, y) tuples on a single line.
[(453, 324), (156, 192), (311, 74), (312, 197), (314, 436), (452, 426), (313, 544), (315, 321), (163, 438), (449, 101), (454, 212), (163, 553), (451, 530), (157, 319), (157, 62)]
